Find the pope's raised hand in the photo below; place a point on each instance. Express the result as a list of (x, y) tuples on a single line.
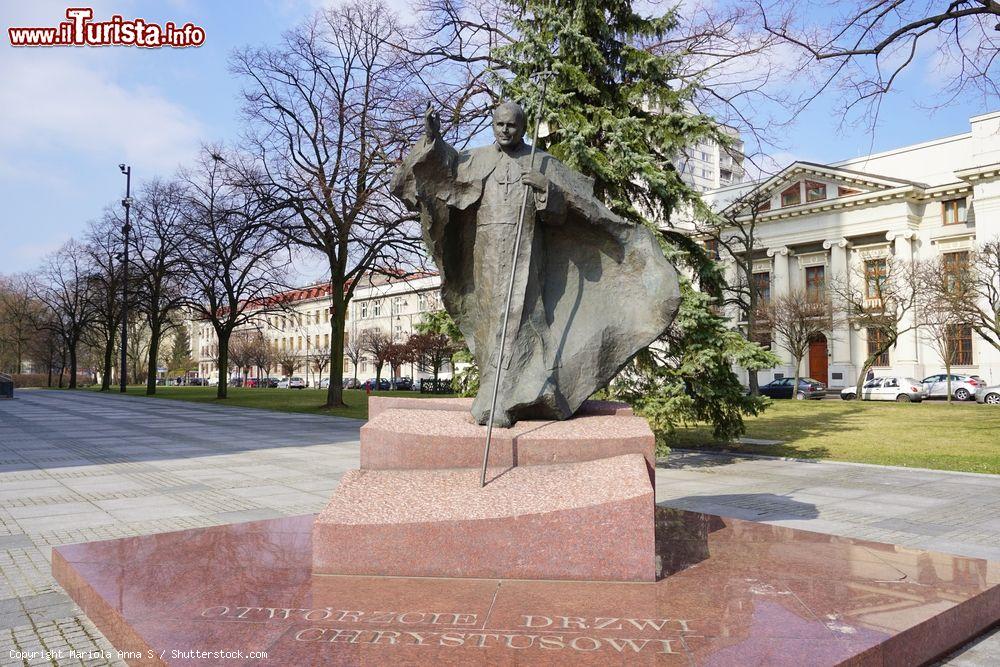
[(432, 124)]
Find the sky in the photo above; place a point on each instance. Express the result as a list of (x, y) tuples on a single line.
[(70, 115)]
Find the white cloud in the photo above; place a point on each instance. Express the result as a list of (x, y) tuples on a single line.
[(69, 103)]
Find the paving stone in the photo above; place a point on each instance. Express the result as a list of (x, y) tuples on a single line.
[(140, 466)]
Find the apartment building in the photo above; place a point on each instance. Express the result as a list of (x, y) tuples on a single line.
[(301, 330)]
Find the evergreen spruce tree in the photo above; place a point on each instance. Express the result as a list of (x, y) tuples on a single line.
[(619, 114)]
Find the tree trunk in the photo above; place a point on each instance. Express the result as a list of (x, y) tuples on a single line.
[(109, 353), (947, 369), (335, 392), (795, 382), (72, 366), (222, 390), (154, 352)]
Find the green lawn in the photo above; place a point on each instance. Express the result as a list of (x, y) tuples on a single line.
[(932, 434), (284, 400)]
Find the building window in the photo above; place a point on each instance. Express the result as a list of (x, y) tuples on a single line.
[(376, 308), (846, 192), (762, 285), (875, 341), (815, 282), (791, 196), (712, 248), (953, 211), (326, 341), (364, 310), (422, 302), (815, 191), (955, 265), (960, 344), (874, 278)]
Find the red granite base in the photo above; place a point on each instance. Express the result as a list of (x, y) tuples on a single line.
[(590, 521), (728, 592), (429, 434)]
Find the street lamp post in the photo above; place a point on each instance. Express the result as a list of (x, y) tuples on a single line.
[(126, 228)]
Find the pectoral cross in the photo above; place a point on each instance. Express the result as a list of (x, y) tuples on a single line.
[(511, 180)]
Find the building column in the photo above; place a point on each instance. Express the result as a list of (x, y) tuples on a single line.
[(780, 286), (906, 346), (842, 370)]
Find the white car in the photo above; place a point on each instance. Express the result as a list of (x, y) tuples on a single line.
[(988, 395), (324, 383), (283, 383), (893, 388), (296, 383), (963, 387)]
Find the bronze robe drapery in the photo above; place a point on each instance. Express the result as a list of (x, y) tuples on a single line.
[(591, 289)]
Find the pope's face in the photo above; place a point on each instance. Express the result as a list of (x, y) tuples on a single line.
[(507, 129)]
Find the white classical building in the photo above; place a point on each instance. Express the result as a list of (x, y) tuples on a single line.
[(820, 221), (302, 329)]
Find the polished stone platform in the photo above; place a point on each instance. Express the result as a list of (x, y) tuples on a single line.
[(591, 520), (729, 592), (426, 434)]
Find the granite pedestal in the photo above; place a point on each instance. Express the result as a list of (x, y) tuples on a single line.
[(728, 592), (563, 500)]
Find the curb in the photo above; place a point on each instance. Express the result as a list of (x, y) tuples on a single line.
[(959, 473)]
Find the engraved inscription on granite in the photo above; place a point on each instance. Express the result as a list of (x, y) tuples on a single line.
[(458, 629)]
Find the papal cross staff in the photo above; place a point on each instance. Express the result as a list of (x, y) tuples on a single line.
[(545, 75)]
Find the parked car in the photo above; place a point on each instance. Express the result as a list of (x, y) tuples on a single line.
[(893, 388), (352, 383), (213, 382), (443, 386), (963, 387), (403, 383), (988, 395), (296, 383), (236, 382), (782, 388), (283, 383), (382, 385)]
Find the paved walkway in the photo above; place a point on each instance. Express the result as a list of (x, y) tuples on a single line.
[(78, 466)]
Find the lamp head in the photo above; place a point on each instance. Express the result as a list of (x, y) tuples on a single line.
[(122, 167)]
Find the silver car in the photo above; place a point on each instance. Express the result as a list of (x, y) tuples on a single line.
[(892, 388), (988, 395), (963, 387)]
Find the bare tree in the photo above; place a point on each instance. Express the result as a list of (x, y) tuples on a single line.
[(320, 360), (137, 349), (329, 113), (156, 241), (231, 258), (796, 318), (399, 353), (432, 351), (65, 287), (733, 233), (287, 361), (864, 46), (261, 354), (943, 307), (241, 351), (354, 352), (104, 244), (980, 291), (18, 312), (880, 296), (377, 346)]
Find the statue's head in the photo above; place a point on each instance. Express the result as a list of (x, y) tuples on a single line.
[(508, 124)]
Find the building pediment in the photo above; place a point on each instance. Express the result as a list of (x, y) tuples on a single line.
[(806, 187)]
